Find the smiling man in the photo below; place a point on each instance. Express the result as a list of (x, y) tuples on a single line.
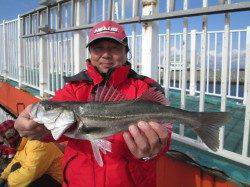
[(132, 161)]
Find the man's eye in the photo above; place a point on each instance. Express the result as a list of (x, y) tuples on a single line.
[(98, 48), (115, 49)]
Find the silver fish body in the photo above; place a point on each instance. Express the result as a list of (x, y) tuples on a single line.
[(96, 120)]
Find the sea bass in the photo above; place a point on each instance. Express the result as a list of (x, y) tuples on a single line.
[(103, 117), (108, 113)]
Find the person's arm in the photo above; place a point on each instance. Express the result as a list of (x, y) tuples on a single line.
[(38, 160), (4, 175)]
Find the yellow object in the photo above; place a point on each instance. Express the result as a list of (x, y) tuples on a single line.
[(36, 158)]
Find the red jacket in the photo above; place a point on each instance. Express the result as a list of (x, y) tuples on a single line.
[(120, 168)]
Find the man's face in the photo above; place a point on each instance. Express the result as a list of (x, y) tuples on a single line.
[(106, 54)]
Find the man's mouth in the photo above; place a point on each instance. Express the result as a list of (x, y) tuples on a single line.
[(107, 65)]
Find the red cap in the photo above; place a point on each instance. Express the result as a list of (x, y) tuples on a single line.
[(108, 29)]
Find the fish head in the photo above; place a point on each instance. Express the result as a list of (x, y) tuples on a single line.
[(55, 116), (45, 112)]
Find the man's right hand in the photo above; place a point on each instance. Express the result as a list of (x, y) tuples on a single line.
[(29, 128)]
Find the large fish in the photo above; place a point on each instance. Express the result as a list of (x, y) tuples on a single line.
[(108, 113)]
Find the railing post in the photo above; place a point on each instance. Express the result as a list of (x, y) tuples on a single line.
[(88, 16), (43, 60), (166, 80), (133, 42), (20, 51), (79, 42), (122, 9), (247, 96), (43, 82), (203, 60), (183, 70), (192, 70), (5, 73), (224, 71), (103, 10), (149, 41), (133, 35)]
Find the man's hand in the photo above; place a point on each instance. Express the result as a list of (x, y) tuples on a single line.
[(29, 128), (146, 139)]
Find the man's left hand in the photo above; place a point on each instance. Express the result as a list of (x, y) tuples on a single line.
[(146, 140)]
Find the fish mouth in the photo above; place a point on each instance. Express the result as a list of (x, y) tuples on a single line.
[(71, 131), (72, 128)]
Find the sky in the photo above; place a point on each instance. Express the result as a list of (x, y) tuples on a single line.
[(9, 9)]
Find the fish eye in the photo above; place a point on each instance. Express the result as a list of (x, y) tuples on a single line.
[(48, 107)]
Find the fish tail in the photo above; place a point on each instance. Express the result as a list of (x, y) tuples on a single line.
[(208, 129)]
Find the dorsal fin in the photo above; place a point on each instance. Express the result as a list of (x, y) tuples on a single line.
[(155, 96), (107, 94), (110, 94)]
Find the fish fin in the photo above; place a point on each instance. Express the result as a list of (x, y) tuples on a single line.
[(208, 130), (155, 96), (107, 94), (97, 154), (209, 135), (207, 118), (100, 145)]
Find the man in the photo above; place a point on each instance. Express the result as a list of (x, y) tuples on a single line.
[(35, 163), (132, 161)]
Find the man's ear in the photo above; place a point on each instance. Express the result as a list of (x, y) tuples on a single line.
[(129, 55)]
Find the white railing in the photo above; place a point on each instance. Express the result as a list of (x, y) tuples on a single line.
[(9, 39), (41, 61), (30, 64), (236, 79), (213, 62), (2, 53), (60, 60)]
